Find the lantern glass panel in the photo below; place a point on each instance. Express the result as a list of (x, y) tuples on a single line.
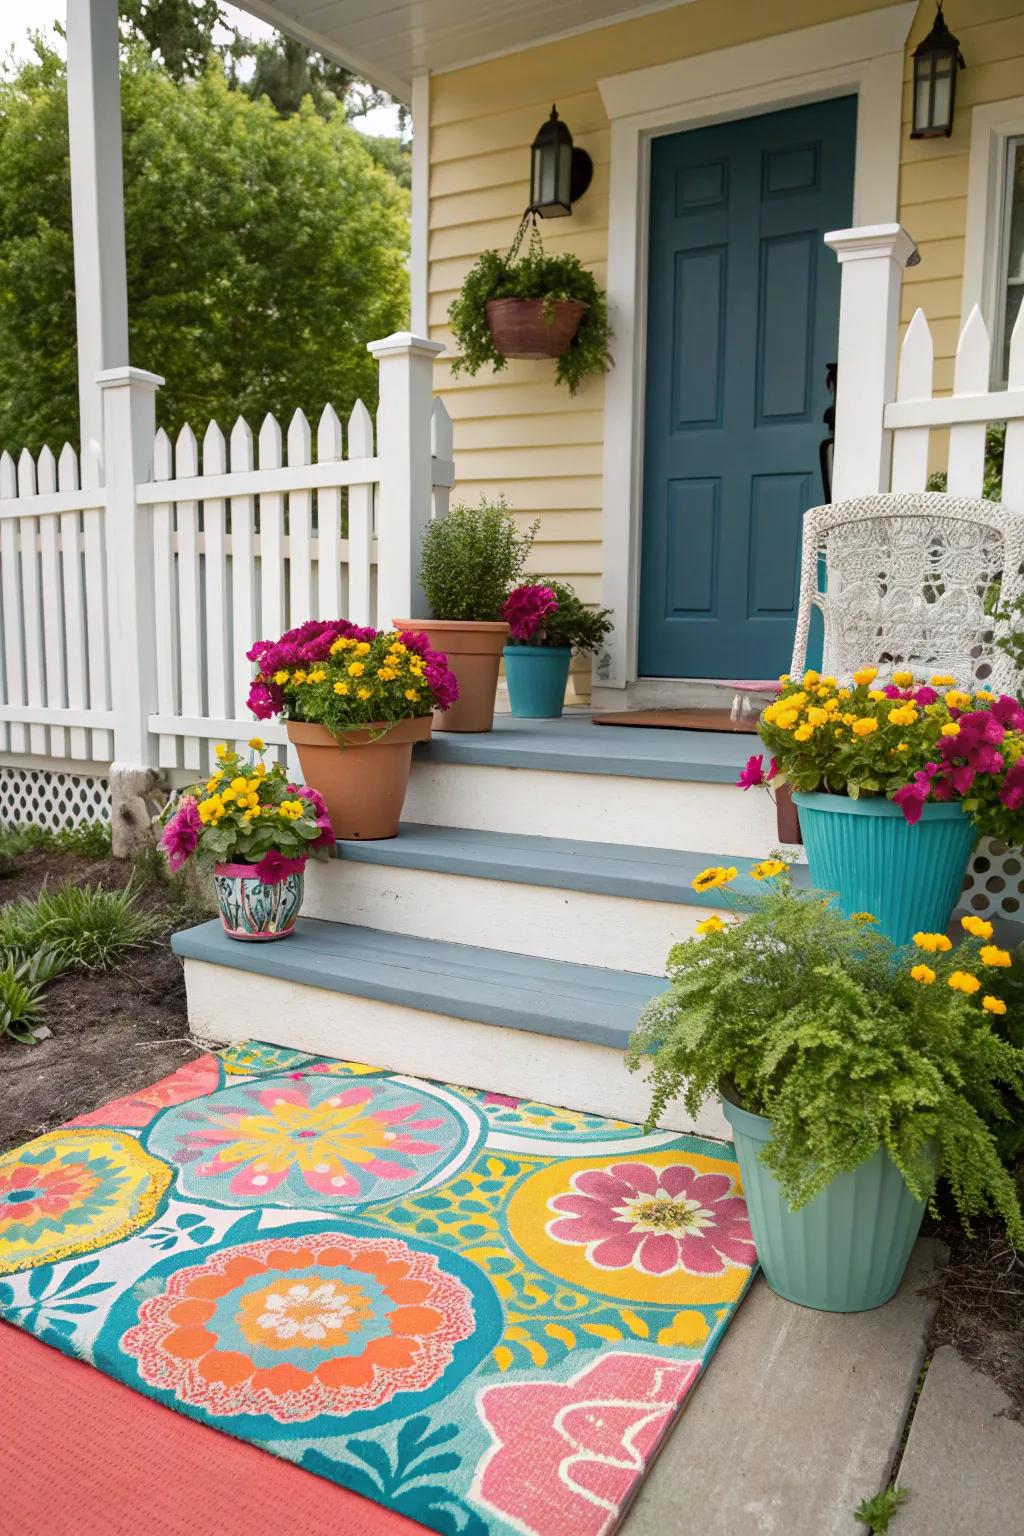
[(942, 99)]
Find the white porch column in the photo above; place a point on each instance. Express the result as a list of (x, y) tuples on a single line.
[(97, 203), (406, 364), (872, 259), (419, 265)]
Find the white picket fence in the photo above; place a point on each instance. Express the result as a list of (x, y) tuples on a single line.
[(153, 588)]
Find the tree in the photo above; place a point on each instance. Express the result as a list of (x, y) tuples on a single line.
[(178, 32), (263, 252)]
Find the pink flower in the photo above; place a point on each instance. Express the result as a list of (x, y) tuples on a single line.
[(753, 775), (265, 699), (274, 867), (525, 609), (181, 835), (925, 696), (655, 1220)]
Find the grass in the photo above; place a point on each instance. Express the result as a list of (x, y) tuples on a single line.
[(877, 1512), (89, 840), (22, 980), (81, 925)]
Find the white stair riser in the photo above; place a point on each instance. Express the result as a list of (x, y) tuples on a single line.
[(225, 1004), (618, 933), (717, 819)]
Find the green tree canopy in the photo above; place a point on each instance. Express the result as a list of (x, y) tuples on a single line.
[(263, 251)]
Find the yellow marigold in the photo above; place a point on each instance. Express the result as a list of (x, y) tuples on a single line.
[(387, 674), (363, 648), (341, 644), (811, 678), (943, 680), (817, 716), (924, 974), (398, 649), (412, 694), (768, 869), (786, 719), (356, 669), (903, 679), (281, 676), (364, 693), (712, 924), (257, 743), (828, 682), (993, 1004), (984, 695), (905, 714), (317, 676), (849, 719), (261, 770), (341, 688), (221, 750), (864, 676), (963, 981), (863, 917), (865, 727), (957, 699), (991, 954), (804, 733), (933, 943), (785, 679), (978, 927), (876, 695), (299, 676), (831, 706), (714, 876), (951, 728), (843, 693), (902, 746)]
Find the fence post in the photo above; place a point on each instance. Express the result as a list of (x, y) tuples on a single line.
[(129, 429), (871, 260), (406, 367)]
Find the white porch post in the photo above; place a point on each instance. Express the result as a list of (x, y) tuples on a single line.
[(406, 364), (872, 259), (97, 203)]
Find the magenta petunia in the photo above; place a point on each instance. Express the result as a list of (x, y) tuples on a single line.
[(274, 867), (753, 775), (525, 610), (181, 835)]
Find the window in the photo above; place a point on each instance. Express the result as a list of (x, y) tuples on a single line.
[(1010, 290)]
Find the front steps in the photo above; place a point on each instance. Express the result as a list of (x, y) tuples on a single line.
[(511, 935)]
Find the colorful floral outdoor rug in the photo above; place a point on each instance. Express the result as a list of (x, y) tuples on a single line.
[(479, 1311)]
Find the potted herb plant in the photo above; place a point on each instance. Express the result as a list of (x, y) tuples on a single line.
[(257, 830), (355, 700), (469, 561), (547, 622), (893, 786), (857, 1077), (534, 306)]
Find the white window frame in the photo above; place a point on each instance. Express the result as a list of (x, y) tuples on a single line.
[(862, 55), (993, 127)]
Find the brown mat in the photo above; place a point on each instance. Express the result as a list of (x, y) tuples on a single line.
[(681, 720)]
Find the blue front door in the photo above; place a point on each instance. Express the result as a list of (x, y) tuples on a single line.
[(743, 316)]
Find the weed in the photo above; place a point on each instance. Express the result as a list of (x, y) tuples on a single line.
[(877, 1511)]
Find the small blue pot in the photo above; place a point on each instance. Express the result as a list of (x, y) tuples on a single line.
[(909, 877), (847, 1249), (537, 677)]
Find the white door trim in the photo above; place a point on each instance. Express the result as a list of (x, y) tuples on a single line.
[(858, 54), (991, 126)]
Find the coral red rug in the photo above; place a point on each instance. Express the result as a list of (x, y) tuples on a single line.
[(481, 1313)]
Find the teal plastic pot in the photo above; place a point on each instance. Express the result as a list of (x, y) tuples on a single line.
[(909, 877), (847, 1249), (537, 676)]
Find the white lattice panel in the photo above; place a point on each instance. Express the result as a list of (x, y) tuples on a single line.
[(995, 881), (52, 799)]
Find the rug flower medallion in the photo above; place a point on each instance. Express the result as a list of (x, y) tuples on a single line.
[(482, 1312)]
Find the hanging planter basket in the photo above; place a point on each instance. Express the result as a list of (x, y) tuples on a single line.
[(534, 328)]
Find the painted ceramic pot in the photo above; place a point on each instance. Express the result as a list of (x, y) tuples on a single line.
[(474, 655), (363, 779), (251, 910)]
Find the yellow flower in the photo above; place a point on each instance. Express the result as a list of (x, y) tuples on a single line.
[(943, 680), (341, 688), (951, 728), (363, 648), (240, 786), (876, 695), (787, 719), (412, 695), (817, 716), (299, 676), (398, 649), (257, 744), (810, 678), (261, 770), (387, 674), (991, 954), (984, 695), (903, 679), (252, 813), (904, 714), (292, 810), (317, 677), (963, 981), (933, 943), (865, 676), (957, 699), (977, 927), (364, 693), (785, 679), (924, 974), (221, 750), (850, 719), (281, 677), (712, 924), (865, 727), (341, 644), (768, 869), (993, 1004), (828, 682), (843, 693), (713, 877), (228, 794), (831, 706), (804, 733), (356, 669), (863, 917), (902, 746), (211, 784)]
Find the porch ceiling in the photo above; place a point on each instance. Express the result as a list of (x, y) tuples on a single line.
[(390, 41)]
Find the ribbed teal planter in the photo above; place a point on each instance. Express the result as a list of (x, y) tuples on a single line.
[(847, 1249), (537, 676), (909, 877)]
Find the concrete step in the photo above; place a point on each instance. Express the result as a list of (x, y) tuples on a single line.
[(604, 904), (541, 1028), (607, 784)]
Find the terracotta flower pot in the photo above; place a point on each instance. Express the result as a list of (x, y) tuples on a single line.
[(364, 781), (474, 655), (521, 329)]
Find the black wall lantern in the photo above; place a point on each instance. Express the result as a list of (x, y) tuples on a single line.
[(936, 61), (559, 173)]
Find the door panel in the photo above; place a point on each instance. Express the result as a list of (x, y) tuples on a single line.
[(743, 316)]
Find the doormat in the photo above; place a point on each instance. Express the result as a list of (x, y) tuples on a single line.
[(681, 720), (480, 1312)]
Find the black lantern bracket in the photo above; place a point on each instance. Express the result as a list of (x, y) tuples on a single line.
[(560, 173), (937, 62)]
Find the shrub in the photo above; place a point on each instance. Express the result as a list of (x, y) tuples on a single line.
[(81, 925), (472, 559), (845, 1043)]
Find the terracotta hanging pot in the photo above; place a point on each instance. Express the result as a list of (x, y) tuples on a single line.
[(521, 328), (474, 655), (364, 780)]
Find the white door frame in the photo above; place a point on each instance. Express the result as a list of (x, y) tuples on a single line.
[(862, 55)]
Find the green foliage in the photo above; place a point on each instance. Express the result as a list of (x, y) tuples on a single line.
[(263, 252), (22, 979), (573, 623), (992, 482), (816, 1022), (81, 925), (472, 559), (533, 276), (1010, 636), (180, 32), (88, 839), (877, 1512)]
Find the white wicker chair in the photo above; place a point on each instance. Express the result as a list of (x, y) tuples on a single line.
[(907, 578)]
